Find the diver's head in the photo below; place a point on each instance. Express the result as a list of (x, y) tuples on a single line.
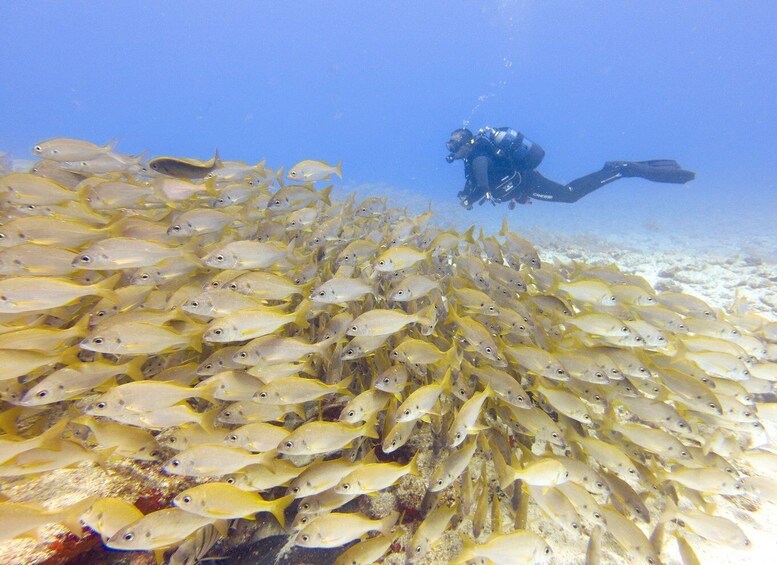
[(459, 144)]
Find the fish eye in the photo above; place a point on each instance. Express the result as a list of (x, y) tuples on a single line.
[(289, 444), (230, 481), (439, 482), (277, 202), (218, 331), (624, 329), (243, 354), (458, 435), (42, 394), (354, 328), (233, 437), (172, 439), (176, 228), (262, 395), (407, 412), (101, 405), (305, 538), (488, 350), (386, 380), (547, 551), (129, 536), (219, 257), (351, 413), (597, 515), (145, 276), (554, 435), (175, 463), (574, 525), (381, 263), (84, 259), (194, 304), (560, 371), (346, 486), (186, 499), (712, 405), (599, 485), (321, 293)]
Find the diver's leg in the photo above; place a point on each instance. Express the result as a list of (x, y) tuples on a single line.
[(541, 188)]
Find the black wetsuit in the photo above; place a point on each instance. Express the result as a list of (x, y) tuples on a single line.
[(492, 174)]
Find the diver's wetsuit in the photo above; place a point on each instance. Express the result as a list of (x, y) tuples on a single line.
[(506, 178)]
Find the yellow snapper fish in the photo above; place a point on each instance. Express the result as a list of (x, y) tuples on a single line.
[(452, 467), (10, 447), (20, 518), (713, 528), (294, 197), (250, 324), (341, 289), (224, 501), (126, 253), (423, 399), (384, 322), (337, 528), (398, 258), (269, 352), (312, 171), (57, 232), (294, 390), (213, 460), (36, 260), (546, 472), (137, 338), (219, 302), (366, 552), (323, 437), (63, 149), (106, 516), (630, 537), (24, 188), (374, 477), (265, 286), (321, 476), (520, 546), (29, 294), (157, 530), (256, 437), (465, 421), (199, 222), (247, 254), (146, 396), (428, 533)]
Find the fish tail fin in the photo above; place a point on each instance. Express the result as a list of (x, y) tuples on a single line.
[(325, 194), (452, 356), (70, 516), (104, 288), (387, 523), (343, 384), (413, 465), (467, 235), (195, 341), (134, 369), (278, 508), (339, 168), (669, 513), (54, 433), (206, 389), (505, 228), (301, 313), (279, 177), (446, 381), (369, 427), (217, 164), (467, 551), (111, 145)]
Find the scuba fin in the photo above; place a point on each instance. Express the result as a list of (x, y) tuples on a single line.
[(657, 170)]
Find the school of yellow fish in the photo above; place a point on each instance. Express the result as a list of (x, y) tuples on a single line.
[(212, 320)]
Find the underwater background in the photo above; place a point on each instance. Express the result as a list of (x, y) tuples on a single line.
[(381, 85)]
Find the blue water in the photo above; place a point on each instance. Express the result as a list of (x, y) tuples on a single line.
[(381, 85)]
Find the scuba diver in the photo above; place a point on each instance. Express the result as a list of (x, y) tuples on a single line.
[(500, 166)]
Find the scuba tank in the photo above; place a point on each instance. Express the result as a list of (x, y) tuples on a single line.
[(512, 144)]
